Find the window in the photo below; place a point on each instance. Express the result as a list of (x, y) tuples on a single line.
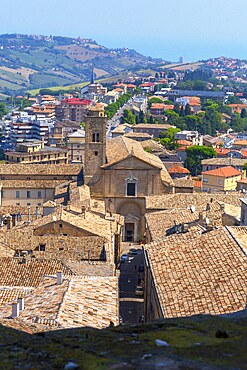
[(17, 204), (39, 194), (131, 186), (17, 194), (42, 247), (28, 204), (205, 179), (131, 189), (39, 204), (220, 182), (28, 194), (95, 137), (96, 153)]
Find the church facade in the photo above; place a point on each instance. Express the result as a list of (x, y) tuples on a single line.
[(122, 174)]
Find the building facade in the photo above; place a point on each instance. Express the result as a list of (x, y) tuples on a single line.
[(122, 174)]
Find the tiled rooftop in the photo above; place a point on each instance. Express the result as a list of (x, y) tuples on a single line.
[(186, 200), (90, 268), (30, 184), (14, 272), (227, 171), (153, 145), (10, 295), (42, 169), (183, 183), (204, 274), (178, 169), (82, 301), (92, 223), (159, 222), (240, 234), (121, 148), (224, 161)]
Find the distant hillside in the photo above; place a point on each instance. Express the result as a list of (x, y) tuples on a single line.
[(34, 61)]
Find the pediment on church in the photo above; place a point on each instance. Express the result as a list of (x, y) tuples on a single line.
[(131, 162)]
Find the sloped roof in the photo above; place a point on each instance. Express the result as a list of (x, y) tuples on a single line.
[(224, 161), (151, 144), (178, 169), (81, 301), (186, 200), (183, 183), (206, 274), (42, 169), (120, 148), (227, 171), (159, 222), (91, 223), (29, 274)]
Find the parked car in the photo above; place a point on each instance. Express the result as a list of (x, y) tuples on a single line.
[(132, 251), (139, 290), (124, 258)]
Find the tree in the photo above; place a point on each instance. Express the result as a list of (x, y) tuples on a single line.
[(243, 113), (187, 110), (192, 122), (181, 112), (3, 110), (167, 138), (195, 154), (176, 108), (172, 117), (129, 117), (154, 101)]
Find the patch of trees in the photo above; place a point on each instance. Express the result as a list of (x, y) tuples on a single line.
[(167, 138), (209, 121), (195, 154), (112, 108), (3, 110)]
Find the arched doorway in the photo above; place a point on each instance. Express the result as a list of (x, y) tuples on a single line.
[(132, 213)]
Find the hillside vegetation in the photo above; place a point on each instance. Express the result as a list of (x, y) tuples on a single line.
[(32, 62)]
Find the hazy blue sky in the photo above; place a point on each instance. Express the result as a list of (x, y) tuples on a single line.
[(196, 29)]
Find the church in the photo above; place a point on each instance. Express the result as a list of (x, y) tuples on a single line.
[(120, 172)]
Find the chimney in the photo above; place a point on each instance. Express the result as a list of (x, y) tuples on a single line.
[(59, 278), (15, 310), (20, 301), (28, 221)]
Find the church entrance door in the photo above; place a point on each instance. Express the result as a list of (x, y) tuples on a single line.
[(129, 231)]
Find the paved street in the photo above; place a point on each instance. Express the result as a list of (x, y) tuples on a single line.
[(131, 305), (115, 121)]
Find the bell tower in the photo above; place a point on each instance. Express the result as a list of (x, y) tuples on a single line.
[(95, 142)]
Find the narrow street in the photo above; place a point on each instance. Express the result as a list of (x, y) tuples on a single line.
[(131, 306)]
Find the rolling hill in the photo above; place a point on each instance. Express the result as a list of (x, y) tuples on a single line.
[(34, 61)]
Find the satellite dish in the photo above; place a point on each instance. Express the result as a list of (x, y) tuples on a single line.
[(54, 218), (207, 220)]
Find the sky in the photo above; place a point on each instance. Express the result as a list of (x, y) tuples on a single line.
[(194, 29)]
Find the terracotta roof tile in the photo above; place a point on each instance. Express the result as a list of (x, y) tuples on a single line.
[(178, 169), (227, 171), (206, 274)]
